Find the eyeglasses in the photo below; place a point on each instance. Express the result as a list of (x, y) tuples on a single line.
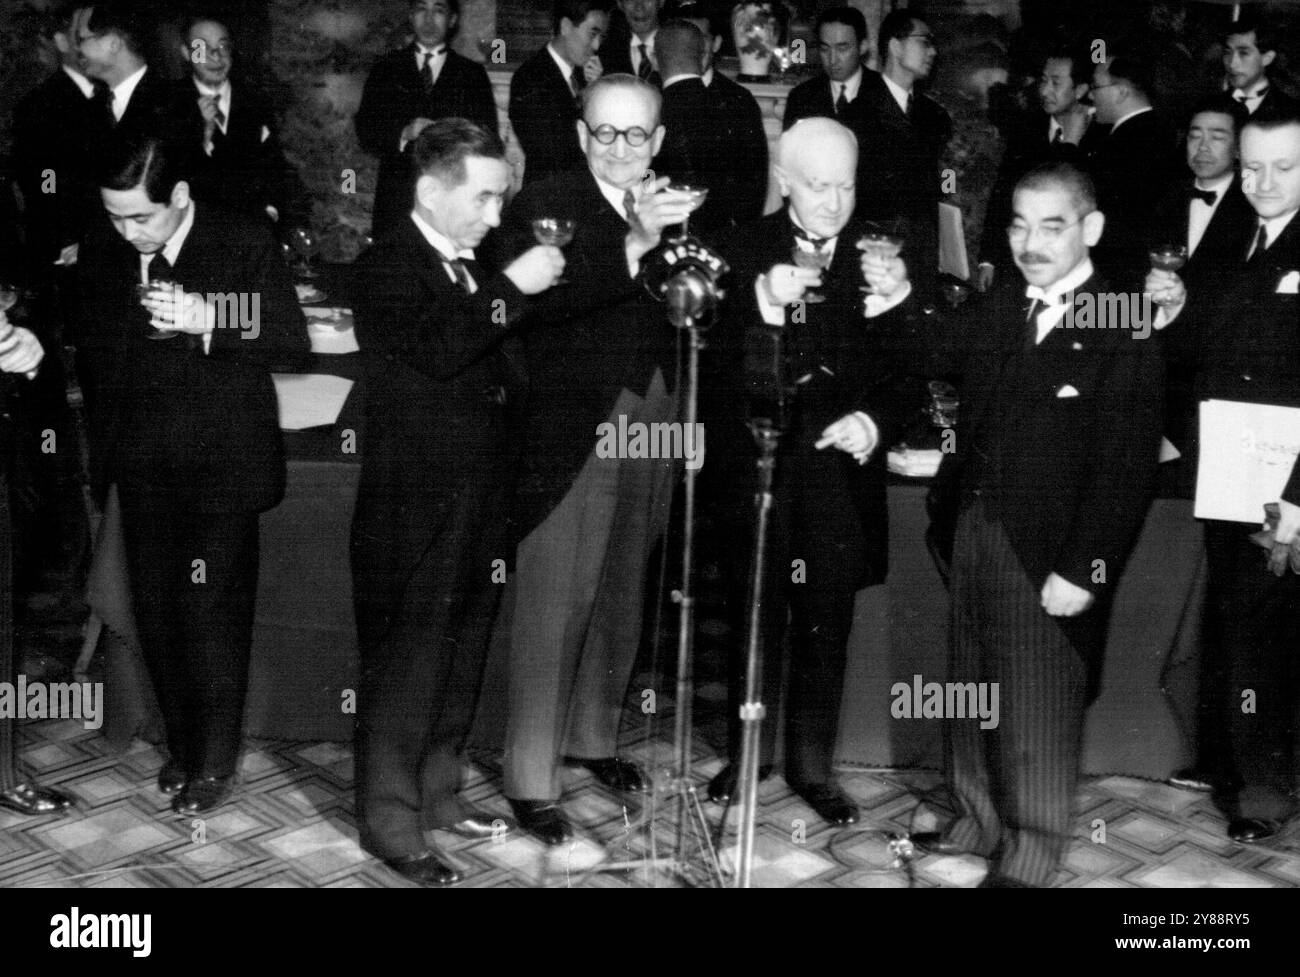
[(606, 134), (1050, 232)]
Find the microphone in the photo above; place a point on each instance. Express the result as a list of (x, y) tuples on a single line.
[(684, 274)]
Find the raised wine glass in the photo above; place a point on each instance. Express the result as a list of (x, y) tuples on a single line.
[(698, 192), (144, 289), (555, 232), (1170, 258), (811, 256), (879, 241)]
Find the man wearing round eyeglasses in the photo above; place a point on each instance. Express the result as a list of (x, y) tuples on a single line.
[(239, 163), (599, 350), (110, 46), (1042, 502)]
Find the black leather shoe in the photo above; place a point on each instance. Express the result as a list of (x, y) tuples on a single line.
[(543, 820), (426, 868), (995, 881), (617, 774), (202, 794), (1190, 778), (32, 799), (723, 785), (1248, 831), (829, 801), (933, 843), (171, 778), (480, 825)]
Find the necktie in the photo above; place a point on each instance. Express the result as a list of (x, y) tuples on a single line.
[(426, 72), (160, 269), (629, 207), (1207, 196), (220, 118), (103, 99), (458, 269), (911, 101), (1035, 307), (1059, 135), (578, 80), (842, 102), (643, 69), (1261, 244)]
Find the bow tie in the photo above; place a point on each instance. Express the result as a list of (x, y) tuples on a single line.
[(817, 242), (1205, 196), (1243, 97), (433, 51), (1036, 294)]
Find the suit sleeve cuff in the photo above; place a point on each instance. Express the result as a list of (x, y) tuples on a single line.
[(875, 305), (771, 313)]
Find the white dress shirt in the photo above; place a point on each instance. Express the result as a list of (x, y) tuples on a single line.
[(436, 62), (898, 91), (850, 87), (1057, 298), (1124, 118), (1251, 97), (123, 91), (81, 81), (634, 48), (1199, 213)]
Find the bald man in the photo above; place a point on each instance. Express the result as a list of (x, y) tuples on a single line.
[(829, 512)]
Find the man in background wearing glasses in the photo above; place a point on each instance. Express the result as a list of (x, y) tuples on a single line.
[(598, 350), (1054, 465)]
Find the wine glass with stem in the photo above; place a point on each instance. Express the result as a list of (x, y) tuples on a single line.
[(144, 289), (882, 241), (555, 232), (1170, 258), (305, 246), (698, 192), (811, 256)]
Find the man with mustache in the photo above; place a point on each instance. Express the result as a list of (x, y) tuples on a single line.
[(1054, 463)]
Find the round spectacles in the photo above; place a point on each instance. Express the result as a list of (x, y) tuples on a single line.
[(606, 134)]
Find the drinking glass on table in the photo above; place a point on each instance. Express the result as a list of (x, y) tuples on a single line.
[(697, 193), (1170, 258), (807, 255), (555, 232), (303, 243), (169, 290)]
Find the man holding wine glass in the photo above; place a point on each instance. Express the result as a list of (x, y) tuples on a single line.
[(853, 397), (599, 349)]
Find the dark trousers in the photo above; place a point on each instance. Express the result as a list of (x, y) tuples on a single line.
[(1015, 783), (194, 621), (420, 679), (9, 777), (1254, 641)]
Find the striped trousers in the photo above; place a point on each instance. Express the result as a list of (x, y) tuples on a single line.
[(1014, 784)]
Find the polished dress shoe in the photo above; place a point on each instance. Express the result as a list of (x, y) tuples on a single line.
[(1248, 831), (32, 799), (543, 820), (426, 868), (480, 824), (723, 785), (202, 794), (1190, 778), (171, 778), (829, 801), (934, 843), (995, 881), (617, 773)]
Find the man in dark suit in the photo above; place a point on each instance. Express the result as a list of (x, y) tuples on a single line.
[(1051, 494), (20, 354), (136, 100), (56, 129), (1063, 128), (436, 476), (1132, 166), (1249, 50), (1242, 345), (705, 139), (187, 428), (630, 47), (600, 354), (405, 91), (829, 511), (842, 43), (545, 89), (238, 160)]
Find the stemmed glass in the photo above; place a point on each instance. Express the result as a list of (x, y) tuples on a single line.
[(8, 299), (144, 289), (303, 243), (882, 242), (697, 192), (1170, 258), (555, 232), (811, 257)]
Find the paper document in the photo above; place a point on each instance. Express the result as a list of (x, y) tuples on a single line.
[(1247, 454)]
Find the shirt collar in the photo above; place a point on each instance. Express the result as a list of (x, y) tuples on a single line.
[(222, 92), (649, 42), (438, 51), (1253, 92), (614, 195), (898, 91), (1055, 293), (124, 89), (1276, 225), (707, 77), (81, 81), (439, 241), (566, 69), (1219, 186), (172, 249), (682, 77), (794, 219), (1124, 118)]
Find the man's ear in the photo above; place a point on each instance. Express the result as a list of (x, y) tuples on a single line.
[(583, 136), (656, 140), (180, 196), (428, 188), (782, 180), (863, 47), (717, 44), (63, 46), (1093, 225), (1081, 90), (1266, 58)]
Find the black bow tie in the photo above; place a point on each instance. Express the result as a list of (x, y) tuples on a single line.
[(802, 235), (1207, 196)]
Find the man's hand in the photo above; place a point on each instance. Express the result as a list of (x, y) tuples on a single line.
[(413, 129), (536, 269), (851, 435), (20, 350), (593, 69), (1063, 599), (68, 256), (192, 314), (885, 275), (1288, 523), (785, 284), (656, 208), (984, 276), (1168, 288)]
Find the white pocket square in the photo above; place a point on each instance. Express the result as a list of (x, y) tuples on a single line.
[(266, 134), (1290, 283), (1066, 391)]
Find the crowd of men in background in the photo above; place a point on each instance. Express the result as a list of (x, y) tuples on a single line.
[(493, 360)]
